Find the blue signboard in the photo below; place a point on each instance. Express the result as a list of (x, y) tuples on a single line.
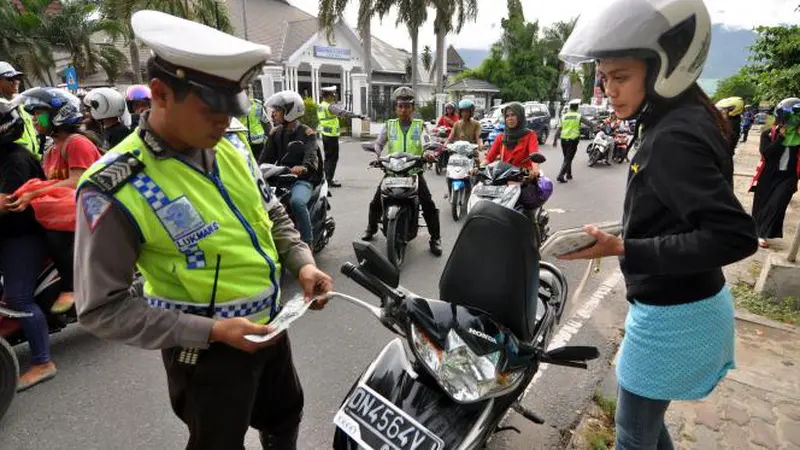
[(332, 52), (72, 78)]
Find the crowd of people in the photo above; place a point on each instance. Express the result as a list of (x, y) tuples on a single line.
[(182, 191)]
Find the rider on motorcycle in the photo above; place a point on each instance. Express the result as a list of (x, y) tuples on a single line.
[(405, 134), (107, 106), (22, 246), (517, 142), (449, 118), (467, 128), (287, 109), (138, 98)]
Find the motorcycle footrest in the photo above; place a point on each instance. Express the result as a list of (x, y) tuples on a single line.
[(527, 413), (13, 313)]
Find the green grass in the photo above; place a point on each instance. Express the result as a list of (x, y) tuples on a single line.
[(600, 434), (786, 310)]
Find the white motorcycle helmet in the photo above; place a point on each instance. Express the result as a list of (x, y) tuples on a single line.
[(674, 35), (105, 103), (289, 102)]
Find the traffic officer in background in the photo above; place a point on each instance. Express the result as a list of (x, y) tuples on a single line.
[(405, 135), (184, 203), (9, 88), (570, 134), (328, 113), (254, 120)]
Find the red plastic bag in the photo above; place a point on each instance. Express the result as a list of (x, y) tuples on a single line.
[(55, 208)]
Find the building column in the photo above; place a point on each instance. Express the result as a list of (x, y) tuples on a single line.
[(441, 99), (272, 75), (316, 90), (359, 81)]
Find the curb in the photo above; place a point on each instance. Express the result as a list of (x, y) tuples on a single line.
[(746, 316)]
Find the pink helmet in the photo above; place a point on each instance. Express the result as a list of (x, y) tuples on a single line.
[(138, 93)]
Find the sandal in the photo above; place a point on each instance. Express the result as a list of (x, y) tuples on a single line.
[(45, 376), (63, 304)]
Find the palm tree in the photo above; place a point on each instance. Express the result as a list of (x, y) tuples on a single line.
[(554, 38), (444, 24), (412, 14), (77, 28), (23, 42), (427, 58), (213, 13)]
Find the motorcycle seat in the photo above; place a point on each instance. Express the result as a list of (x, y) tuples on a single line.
[(489, 270)]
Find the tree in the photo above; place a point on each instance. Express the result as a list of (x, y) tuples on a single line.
[(412, 14), (443, 24), (213, 13), (516, 62), (741, 84), (75, 29), (776, 62), (24, 41), (555, 37), (427, 58), (589, 71)]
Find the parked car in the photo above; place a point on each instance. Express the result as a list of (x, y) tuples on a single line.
[(593, 114), (537, 116), (761, 118)]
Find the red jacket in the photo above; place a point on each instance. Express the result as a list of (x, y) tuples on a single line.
[(528, 145), (762, 163), (447, 121)]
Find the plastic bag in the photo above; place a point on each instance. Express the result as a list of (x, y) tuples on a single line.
[(55, 208)]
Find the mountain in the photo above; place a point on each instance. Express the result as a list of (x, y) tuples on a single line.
[(729, 51)]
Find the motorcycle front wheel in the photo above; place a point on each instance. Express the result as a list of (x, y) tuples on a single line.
[(396, 239), (9, 372), (457, 204), (594, 156)]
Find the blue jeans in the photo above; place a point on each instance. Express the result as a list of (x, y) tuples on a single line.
[(640, 422), (301, 194), (21, 260)]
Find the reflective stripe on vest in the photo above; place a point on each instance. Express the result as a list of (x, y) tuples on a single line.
[(571, 126), (186, 218), (410, 142), (328, 122)]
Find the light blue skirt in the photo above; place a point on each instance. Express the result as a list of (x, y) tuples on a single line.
[(677, 352)]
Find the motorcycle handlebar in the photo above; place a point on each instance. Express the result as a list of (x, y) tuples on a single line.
[(367, 281)]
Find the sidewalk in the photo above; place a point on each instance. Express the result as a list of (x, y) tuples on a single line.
[(757, 406)]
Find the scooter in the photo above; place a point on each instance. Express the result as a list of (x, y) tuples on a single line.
[(501, 183), (622, 142), (438, 145), (472, 353), (280, 180), (400, 201), (600, 148), (461, 162)]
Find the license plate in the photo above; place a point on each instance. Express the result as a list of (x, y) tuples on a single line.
[(398, 182), (377, 424), (490, 191)]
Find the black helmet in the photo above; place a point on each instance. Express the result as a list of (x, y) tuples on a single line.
[(11, 124)]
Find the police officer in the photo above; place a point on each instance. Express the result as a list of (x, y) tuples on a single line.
[(570, 135), (184, 203), (254, 120), (9, 88), (328, 114), (405, 134)]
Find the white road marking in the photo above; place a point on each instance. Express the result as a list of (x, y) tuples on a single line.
[(557, 211)]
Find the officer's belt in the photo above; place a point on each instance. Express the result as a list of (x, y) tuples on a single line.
[(259, 304)]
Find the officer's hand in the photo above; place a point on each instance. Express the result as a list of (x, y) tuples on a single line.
[(232, 332), (316, 284)]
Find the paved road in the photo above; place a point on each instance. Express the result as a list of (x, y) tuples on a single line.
[(108, 396)]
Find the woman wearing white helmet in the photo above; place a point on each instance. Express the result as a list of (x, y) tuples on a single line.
[(107, 106), (682, 221), (287, 109)]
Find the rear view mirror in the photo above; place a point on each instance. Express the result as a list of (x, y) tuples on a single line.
[(538, 158), (373, 262)]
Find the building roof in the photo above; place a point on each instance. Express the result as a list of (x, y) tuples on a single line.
[(473, 85), (275, 23), (454, 58)]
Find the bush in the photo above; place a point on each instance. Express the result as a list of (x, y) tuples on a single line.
[(310, 116), (427, 112)]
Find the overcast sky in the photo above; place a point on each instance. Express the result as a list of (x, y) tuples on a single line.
[(486, 30)]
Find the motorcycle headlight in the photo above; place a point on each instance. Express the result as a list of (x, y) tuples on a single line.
[(463, 375), (399, 164)]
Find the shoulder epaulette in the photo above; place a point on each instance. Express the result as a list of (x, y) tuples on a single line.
[(113, 176)]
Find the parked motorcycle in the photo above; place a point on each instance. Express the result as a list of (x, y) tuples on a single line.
[(460, 165), (472, 354), (400, 201), (280, 180), (600, 148), (501, 183)]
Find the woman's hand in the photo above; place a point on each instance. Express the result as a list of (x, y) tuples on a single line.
[(21, 204), (3, 203), (533, 172), (606, 245)]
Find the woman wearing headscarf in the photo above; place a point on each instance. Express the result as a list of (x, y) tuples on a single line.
[(776, 176), (517, 142)]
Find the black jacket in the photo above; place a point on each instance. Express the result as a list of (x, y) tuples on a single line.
[(275, 151), (682, 221), (17, 166)]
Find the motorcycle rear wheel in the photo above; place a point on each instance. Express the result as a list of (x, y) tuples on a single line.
[(396, 240), (9, 372)]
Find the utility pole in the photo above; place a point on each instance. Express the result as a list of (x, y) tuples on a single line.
[(244, 18)]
